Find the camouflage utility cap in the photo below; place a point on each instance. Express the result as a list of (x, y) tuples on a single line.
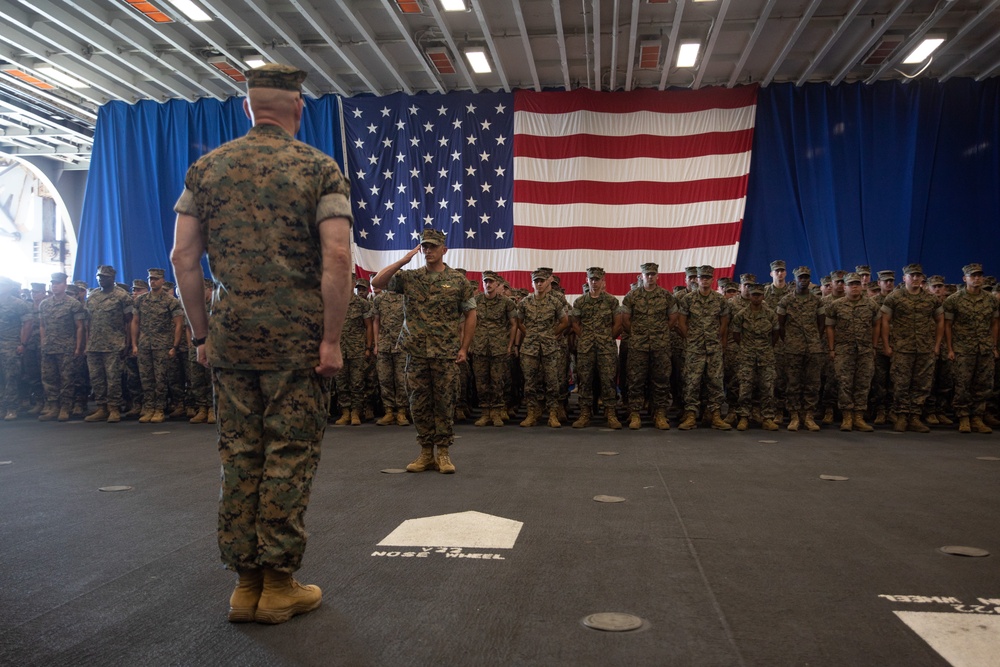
[(705, 271), (852, 278), (886, 275), (691, 272), (59, 277), (432, 236), (491, 275), (543, 271), (556, 281), (81, 284), (274, 75), (595, 272), (802, 271), (680, 289), (139, 283), (967, 270), (936, 280), (156, 273), (732, 287), (747, 278), (912, 269), (778, 264), (650, 267), (72, 290), (826, 280), (756, 288), (837, 275), (37, 287), (863, 270), (105, 270)]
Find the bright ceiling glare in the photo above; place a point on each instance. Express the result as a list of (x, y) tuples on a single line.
[(923, 50), (477, 58), (453, 5), (60, 77), (255, 61), (190, 10), (687, 54)]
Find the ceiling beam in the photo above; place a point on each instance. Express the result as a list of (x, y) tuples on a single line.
[(984, 46), (612, 79), (526, 43), (420, 56), (870, 42), (487, 33), (790, 42), (964, 30), (672, 46), (710, 47), (319, 24), (752, 41), (633, 37), (459, 56), (369, 36), (912, 40), (841, 28), (561, 40), (596, 36)]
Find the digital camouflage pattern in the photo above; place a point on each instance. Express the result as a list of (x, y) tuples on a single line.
[(542, 359), (650, 312), (803, 350), (596, 351), (703, 358), (912, 334), (971, 316), (390, 362), (433, 385), (854, 361), (13, 314), (266, 315), (433, 306), (756, 372), (108, 314), (353, 337), (58, 316), (490, 360)]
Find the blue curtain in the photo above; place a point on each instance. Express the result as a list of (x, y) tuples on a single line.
[(884, 174), (141, 153)]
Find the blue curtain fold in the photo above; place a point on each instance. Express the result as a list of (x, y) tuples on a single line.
[(884, 174), (141, 153)]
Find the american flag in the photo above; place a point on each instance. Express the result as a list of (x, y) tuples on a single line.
[(567, 180)]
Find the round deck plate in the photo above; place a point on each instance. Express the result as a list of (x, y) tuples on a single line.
[(161, 432), (607, 453), (115, 488), (5, 463), (393, 471), (609, 499), (979, 458), (833, 478), (612, 621), (972, 552), (768, 442)]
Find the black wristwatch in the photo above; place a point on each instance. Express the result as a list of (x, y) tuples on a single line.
[(198, 341)]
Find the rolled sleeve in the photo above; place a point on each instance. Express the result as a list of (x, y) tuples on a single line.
[(333, 205)]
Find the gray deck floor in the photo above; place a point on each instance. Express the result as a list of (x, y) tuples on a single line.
[(733, 551)]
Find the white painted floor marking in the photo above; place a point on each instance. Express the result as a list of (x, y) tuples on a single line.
[(964, 640), (473, 530)]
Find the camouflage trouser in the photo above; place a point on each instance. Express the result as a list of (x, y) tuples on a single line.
[(31, 375), (677, 375), (730, 374), (648, 367), (132, 382), (491, 379), (803, 380), (58, 378), (564, 371), (81, 380), (372, 394), (944, 386), (623, 368), (912, 374), (106, 377), (602, 362), (880, 395), (702, 367), (461, 397), (270, 424), (543, 374), (392, 379), (973, 383), (854, 369), (10, 377), (515, 390), (154, 365), (756, 376), (432, 384), (831, 386), (199, 381), (781, 379), (177, 378), (351, 384)]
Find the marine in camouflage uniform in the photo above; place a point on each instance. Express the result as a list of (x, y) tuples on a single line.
[(32, 392), (157, 325), (756, 329), (943, 387), (439, 315), (356, 347), (597, 323), (81, 376), (61, 320), (544, 316), (834, 282), (801, 318), (200, 377), (387, 322), (851, 331), (179, 401), (881, 399), (677, 351), (704, 321), (274, 216), (110, 309), (133, 383), (970, 330), (648, 313), (15, 325), (492, 345), (912, 330), (774, 292)]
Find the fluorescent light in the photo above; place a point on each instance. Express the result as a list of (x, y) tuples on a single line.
[(923, 50), (453, 5), (190, 10), (477, 58), (65, 79), (687, 54), (255, 61)]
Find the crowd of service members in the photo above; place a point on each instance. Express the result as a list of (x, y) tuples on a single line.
[(793, 352)]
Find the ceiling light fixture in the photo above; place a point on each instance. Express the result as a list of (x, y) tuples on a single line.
[(222, 64), (441, 60), (21, 75), (923, 50), (149, 10), (649, 54), (454, 5), (190, 10), (477, 58), (254, 61), (687, 54), (58, 76), (409, 7)]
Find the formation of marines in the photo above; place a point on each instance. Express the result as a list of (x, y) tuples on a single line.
[(784, 353)]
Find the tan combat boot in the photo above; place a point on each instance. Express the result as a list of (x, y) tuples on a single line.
[(991, 421), (860, 424), (114, 415), (828, 416), (158, 417), (731, 417), (718, 423), (444, 464), (496, 416), (561, 413), (98, 415), (145, 415), (963, 425), (743, 424), (534, 412), (423, 462), (50, 412), (355, 417), (10, 416), (944, 420), (554, 418), (917, 425), (634, 421), (282, 598), (246, 595), (809, 422), (689, 422), (660, 420), (793, 423), (64, 414), (211, 416), (609, 414), (345, 418), (460, 414), (388, 419), (200, 417), (584, 419), (401, 419), (179, 411), (899, 425), (847, 423), (880, 418), (979, 426), (485, 419), (931, 419), (768, 424)]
